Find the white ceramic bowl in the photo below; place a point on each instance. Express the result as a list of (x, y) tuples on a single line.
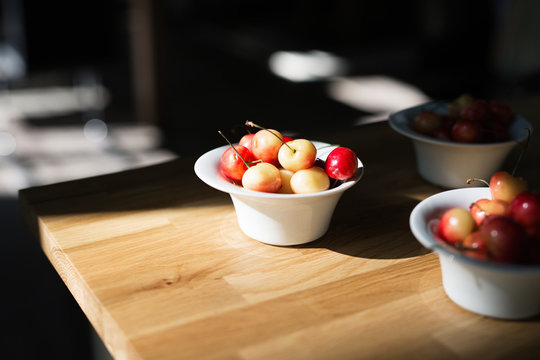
[(277, 219), (504, 291), (449, 164)]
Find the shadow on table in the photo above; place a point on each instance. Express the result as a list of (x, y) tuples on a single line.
[(365, 228)]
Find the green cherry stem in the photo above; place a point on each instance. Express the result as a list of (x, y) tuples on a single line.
[(252, 124), (477, 206), (236, 151)]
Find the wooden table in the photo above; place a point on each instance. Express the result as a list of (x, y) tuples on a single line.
[(155, 259)]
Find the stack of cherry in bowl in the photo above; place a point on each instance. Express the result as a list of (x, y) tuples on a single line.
[(284, 190), (488, 242), (462, 138)]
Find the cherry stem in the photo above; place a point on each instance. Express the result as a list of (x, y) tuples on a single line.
[(477, 179), (252, 124), (236, 151), (476, 205), (523, 149)]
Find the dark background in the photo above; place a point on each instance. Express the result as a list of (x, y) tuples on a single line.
[(210, 71), (211, 57)]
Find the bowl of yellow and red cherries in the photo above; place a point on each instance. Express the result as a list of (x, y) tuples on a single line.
[(488, 242), (284, 190), (466, 136)]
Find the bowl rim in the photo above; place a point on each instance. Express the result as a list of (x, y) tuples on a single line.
[(423, 235), (401, 126), (204, 164)]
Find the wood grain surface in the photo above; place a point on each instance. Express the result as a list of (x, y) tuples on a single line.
[(158, 264)]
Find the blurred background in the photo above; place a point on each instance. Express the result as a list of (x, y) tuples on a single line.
[(93, 87)]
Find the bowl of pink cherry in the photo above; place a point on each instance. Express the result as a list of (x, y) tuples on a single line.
[(488, 243), (462, 138), (284, 190)]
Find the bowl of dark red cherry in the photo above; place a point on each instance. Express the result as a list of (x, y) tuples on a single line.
[(460, 139), (488, 243), (284, 190)]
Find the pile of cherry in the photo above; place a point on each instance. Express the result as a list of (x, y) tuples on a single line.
[(468, 120), (505, 228), (267, 161)]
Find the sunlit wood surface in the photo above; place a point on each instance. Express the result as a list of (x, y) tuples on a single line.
[(156, 261)]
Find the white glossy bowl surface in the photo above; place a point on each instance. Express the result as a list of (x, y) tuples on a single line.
[(277, 219), (504, 291), (449, 164)]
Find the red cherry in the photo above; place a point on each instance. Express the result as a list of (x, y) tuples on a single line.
[(477, 111), (286, 139), (246, 141), (442, 134), (231, 163), (505, 237), (466, 131), (475, 245), (341, 163), (482, 208), (525, 209)]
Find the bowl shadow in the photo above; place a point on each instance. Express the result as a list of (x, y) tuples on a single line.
[(377, 231)]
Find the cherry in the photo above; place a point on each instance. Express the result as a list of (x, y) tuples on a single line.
[(341, 163), (466, 131), (458, 104), (504, 236), (286, 139), (247, 141), (505, 187), (443, 133), (263, 177), (297, 154), (426, 122), (482, 208), (286, 181), (476, 111), (455, 225), (525, 209), (266, 144), (474, 245), (233, 162), (310, 180)]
